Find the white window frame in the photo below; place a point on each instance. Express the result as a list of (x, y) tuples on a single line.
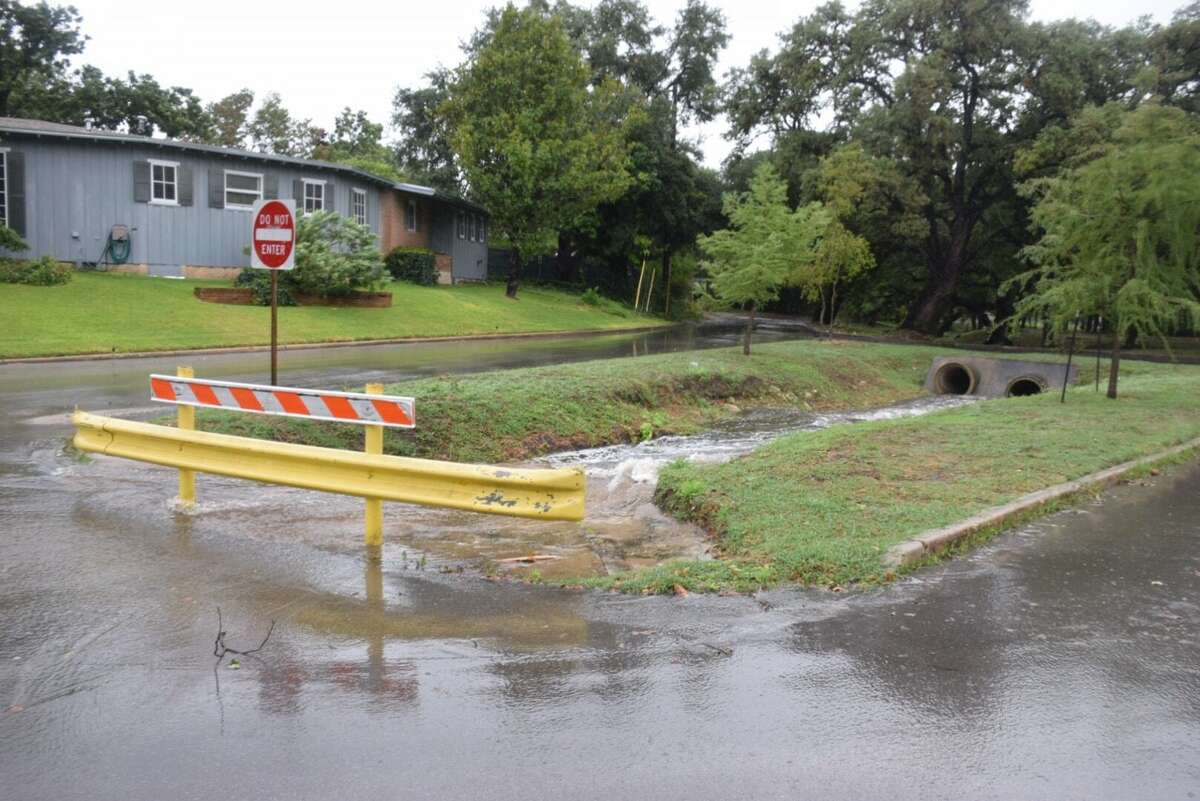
[(410, 220), (306, 183), (462, 224), (358, 210), (482, 229), (241, 206), (4, 191), (161, 201)]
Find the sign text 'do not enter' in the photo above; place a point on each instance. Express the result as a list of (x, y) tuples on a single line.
[(273, 237)]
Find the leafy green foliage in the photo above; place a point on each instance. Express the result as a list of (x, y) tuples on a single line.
[(39, 272), (260, 282), (539, 147), (11, 241), (415, 265), (766, 245), (334, 255), (1118, 232)]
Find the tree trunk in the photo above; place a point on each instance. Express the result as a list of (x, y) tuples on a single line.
[(667, 275), (514, 273), (1115, 370), (929, 313), (749, 329)]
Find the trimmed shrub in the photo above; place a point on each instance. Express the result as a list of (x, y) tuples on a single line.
[(334, 256), (39, 272), (11, 241), (260, 282), (591, 296), (415, 265)]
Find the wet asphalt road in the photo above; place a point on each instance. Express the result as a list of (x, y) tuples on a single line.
[(1062, 661)]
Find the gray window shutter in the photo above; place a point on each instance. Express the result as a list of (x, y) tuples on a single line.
[(185, 186), (141, 182), (298, 193), (216, 188), (330, 194), (15, 187), (270, 187)]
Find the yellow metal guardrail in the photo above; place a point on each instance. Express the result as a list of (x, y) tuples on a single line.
[(542, 494)]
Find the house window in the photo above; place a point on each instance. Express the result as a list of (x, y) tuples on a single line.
[(314, 195), (462, 225), (482, 229), (164, 182), (242, 189), (3, 187), (471, 227), (358, 205), (412, 214)]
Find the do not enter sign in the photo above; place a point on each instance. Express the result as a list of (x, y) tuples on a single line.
[(273, 241)]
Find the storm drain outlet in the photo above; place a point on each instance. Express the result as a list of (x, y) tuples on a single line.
[(1026, 385), (953, 378)]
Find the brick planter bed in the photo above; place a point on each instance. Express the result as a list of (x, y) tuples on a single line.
[(240, 296)]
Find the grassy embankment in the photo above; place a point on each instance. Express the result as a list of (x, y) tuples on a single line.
[(516, 414), (815, 507), (822, 508), (102, 313)]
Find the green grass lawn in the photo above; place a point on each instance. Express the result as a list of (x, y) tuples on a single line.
[(509, 415), (823, 508), (101, 313)]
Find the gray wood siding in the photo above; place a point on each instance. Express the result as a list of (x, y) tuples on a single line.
[(76, 191), (470, 257)]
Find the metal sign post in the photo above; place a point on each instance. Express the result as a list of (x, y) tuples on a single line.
[(273, 247)]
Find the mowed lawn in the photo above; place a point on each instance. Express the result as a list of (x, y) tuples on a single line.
[(99, 313)]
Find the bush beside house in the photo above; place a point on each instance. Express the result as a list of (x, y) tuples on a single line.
[(415, 265)]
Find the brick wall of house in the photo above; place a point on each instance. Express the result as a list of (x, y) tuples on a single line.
[(393, 221)]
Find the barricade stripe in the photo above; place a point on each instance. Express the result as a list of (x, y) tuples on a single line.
[(225, 397), (268, 401), (392, 412), (365, 410), (340, 408), (162, 389), (291, 403), (183, 391), (246, 398), (204, 394)]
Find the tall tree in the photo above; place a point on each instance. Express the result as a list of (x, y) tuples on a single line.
[(765, 247), (35, 43), (423, 149), (536, 143), (272, 129), (1119, 232), (948, 90), (230, 118)]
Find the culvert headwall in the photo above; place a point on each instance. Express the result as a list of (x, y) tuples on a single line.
[(994, 378)]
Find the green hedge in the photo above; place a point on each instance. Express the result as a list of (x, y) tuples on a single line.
[(40, 272), (415, 265)]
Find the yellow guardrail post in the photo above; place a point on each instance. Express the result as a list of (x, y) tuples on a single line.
[(374, 506), (187, 422)]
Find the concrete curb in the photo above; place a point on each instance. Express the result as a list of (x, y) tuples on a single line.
[(353, 343), (916, 549)]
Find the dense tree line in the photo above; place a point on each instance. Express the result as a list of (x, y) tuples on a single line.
[(923, 128)]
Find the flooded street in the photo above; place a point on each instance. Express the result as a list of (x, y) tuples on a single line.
[(1061, 661)]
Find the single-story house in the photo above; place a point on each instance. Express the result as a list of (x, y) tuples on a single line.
[(187, 206)]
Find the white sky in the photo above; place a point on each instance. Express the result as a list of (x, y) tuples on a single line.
[(323, 56)]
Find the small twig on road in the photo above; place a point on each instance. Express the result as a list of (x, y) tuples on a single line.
[(220, 648), (718, 649)]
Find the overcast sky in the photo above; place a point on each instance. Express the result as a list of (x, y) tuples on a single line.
[(323, 56)]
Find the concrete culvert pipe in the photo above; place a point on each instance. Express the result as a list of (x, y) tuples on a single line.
[(1026, 385), (953, 378)]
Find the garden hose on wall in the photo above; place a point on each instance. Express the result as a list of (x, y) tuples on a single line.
[(118, 246)]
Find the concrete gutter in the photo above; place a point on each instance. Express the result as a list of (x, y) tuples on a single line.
[(352, 343), (918, 548)]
